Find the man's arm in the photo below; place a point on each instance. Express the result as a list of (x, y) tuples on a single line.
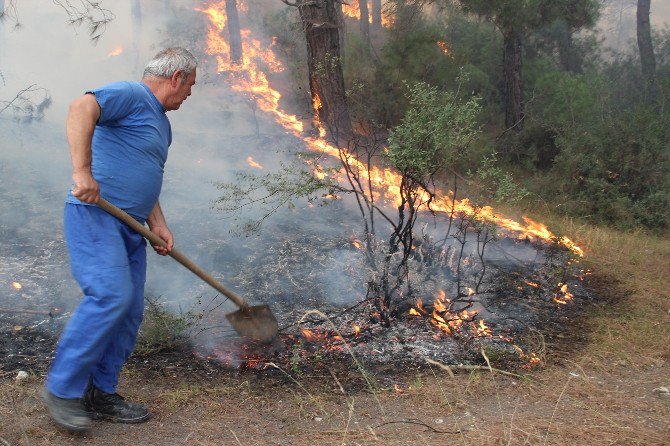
[(158, 226), (84, 113)]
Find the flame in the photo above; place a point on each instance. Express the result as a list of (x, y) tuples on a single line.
[(352, 9), (439, 306), (116, 52), (252, 163), (444, 47), (447, 321), (562, 295), (316, 105), (309, 335), (17, 285), (483, 330), (533, 284), (357, 244), (357, 330), (419, 306), (329, 341), (249, 79)]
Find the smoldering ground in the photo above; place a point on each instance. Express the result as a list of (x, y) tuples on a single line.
[(302, 258)]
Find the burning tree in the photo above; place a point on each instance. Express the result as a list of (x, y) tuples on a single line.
[(322, 22), (234, 32), (437, 129)]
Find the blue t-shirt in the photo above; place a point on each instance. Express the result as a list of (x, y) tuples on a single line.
[(130, 147)]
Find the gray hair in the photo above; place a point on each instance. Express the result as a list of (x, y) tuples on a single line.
[(169, 61)]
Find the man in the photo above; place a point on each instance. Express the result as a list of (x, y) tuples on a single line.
[(118, 137)]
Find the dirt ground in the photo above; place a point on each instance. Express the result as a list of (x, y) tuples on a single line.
[(585, 393), (566, 405)]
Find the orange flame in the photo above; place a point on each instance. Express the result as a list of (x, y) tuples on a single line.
[(252, 163), (562, 296), (116, 52), (444, 47), (309, 335), (353, 9), (17, 285), (247, 78)]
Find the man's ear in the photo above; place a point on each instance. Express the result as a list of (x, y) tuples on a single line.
[(176, 78)]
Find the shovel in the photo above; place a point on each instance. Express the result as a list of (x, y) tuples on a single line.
[(257, 322)]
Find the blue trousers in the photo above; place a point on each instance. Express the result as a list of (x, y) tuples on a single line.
[(108, 260)]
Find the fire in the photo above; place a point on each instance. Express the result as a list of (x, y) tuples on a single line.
[(447, 321), (357, 330), (316, 106), (444, 47), (562, 295), (327, 340), (17, 285), (247, 78), (357, 244), (352, 8), (252, 163), (116, 52), (482, 329), (309, 335)]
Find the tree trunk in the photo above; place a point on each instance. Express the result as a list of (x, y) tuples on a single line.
[(512, 63), (235, 38), (326, 81), (647, 58), (365, 21), (567, 55), (376, 15)]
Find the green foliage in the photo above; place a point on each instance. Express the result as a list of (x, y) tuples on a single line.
[(612, 164), (163, 330), (410, 53), (520, 15), (498, 184), (435, 131), (272, 192)]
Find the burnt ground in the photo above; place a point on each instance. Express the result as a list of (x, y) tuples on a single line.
[(585, 390)]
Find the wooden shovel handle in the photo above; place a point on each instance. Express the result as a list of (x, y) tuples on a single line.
[(175, 254)]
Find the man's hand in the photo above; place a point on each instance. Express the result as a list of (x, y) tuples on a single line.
[(164, 233), (85, 188)]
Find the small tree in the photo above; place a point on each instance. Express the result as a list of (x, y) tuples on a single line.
[(438, 128)]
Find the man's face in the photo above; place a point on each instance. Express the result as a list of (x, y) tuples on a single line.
[(180, 91)]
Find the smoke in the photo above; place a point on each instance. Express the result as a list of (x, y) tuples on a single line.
[(618, 21), (214, 132)]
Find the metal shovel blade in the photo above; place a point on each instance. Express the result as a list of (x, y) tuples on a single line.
[(257, 323)]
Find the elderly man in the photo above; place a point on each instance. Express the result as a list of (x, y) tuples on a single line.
[(118, 137)]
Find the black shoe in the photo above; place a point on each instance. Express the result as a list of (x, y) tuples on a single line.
[(67, 413), (112, 407)]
